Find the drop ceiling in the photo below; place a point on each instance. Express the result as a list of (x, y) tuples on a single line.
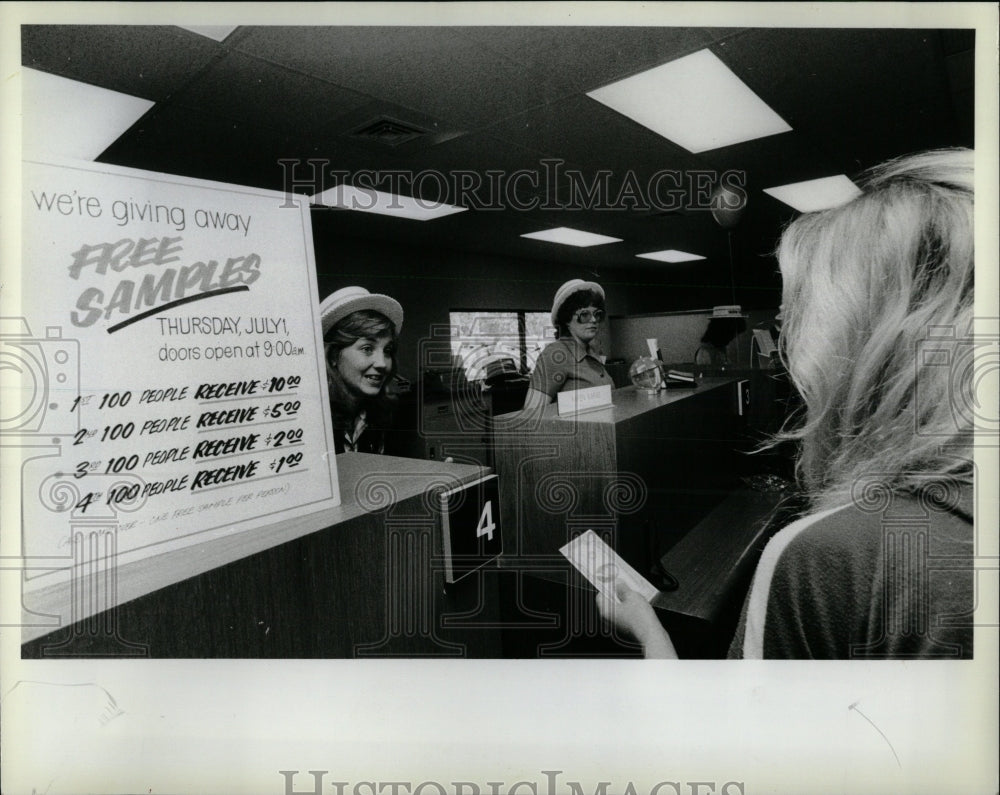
[(506, 99)]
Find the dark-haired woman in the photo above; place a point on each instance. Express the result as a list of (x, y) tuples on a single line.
[(360, 330), (570, 362)]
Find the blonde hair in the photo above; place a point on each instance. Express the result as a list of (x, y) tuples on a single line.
[(865, 286)]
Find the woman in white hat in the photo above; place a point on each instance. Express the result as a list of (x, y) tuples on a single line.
[(570, 362), (360, 330)]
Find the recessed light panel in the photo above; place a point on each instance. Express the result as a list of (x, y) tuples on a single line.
[(69, 119), (696, 102), (572, 237), (816, 194), (366, 200), (217, 32), (671, 255)]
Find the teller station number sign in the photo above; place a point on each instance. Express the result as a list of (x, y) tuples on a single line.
[(470, 516)]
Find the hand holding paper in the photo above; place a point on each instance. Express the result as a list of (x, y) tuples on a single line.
[(624, 593), (602, 566)]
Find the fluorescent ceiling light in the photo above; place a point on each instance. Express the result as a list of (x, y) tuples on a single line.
[(66, 118), (695, 101), (816, 194), (572, 237), (671, 255), (217, 32), (366, 200)]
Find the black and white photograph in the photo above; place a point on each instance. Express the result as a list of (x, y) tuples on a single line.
[(499, 398)]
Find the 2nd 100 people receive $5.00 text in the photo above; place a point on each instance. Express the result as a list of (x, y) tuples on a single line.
[(283, 410)]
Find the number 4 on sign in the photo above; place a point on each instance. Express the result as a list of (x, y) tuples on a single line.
[(486, 525)]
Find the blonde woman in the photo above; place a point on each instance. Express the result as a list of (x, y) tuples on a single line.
[(877, 296)]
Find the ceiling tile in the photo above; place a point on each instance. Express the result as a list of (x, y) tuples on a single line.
[(174, 140), (507, 99), (586, 132), (880, 89), (789, 157), (145, 61), (431, 70), (583, 58), (254, 91)]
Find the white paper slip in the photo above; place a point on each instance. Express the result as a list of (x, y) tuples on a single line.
[(601, 565), (764, 341)]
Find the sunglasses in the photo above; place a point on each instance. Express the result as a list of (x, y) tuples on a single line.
[(588, 315)]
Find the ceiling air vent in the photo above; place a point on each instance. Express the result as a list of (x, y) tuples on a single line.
[(387, 131)]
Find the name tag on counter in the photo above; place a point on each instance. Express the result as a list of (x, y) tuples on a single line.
[(470, 518), (579, 400)]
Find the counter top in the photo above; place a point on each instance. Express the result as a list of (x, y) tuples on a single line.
[(368, 483), (627, 403)]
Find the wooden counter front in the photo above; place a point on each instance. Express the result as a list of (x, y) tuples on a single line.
[(362, 579), (639, 473)]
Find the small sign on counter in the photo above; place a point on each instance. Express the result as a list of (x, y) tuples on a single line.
[(576, 401), (471, 531)]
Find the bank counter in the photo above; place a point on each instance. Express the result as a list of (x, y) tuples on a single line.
[(656, 475), (364, 579), (660, 478)]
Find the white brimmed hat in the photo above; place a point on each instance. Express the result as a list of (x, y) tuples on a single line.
[(570, 287), (338, 305)]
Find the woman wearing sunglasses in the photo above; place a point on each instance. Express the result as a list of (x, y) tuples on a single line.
[(570, 362)]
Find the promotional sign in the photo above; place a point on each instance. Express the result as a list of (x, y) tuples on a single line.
[(172, 379)]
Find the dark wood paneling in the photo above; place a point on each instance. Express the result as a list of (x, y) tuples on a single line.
[(642, 472), (371, 585)]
